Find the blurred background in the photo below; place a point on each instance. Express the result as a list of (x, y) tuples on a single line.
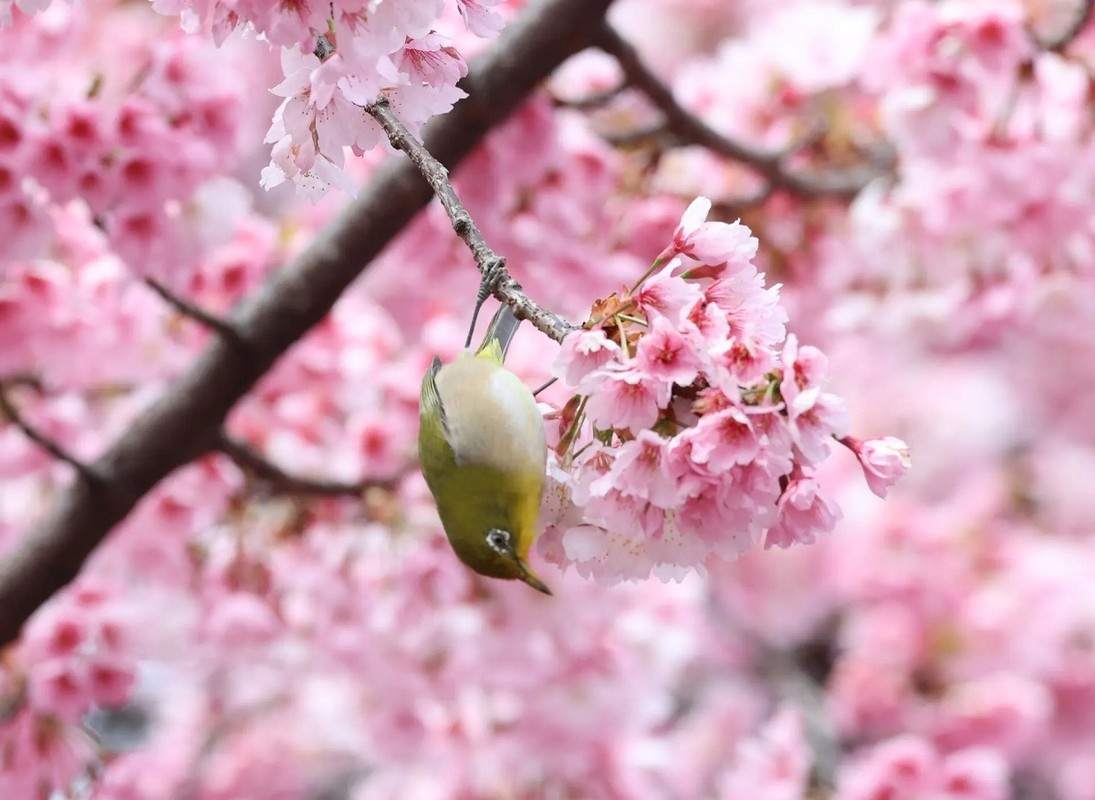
[(921, 178)]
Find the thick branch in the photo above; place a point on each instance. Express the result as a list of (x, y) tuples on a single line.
[(506, 289), (183, 423), (249, 460), (687, 127), (1076, 25)]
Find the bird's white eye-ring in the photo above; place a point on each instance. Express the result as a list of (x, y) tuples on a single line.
[(498, 540)]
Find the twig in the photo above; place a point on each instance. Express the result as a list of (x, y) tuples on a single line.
[(677, 119), (506, 289), (248, 459), (544, 386), (196, 313), (690, 128), (1074, 28), (13, 415), (733, 208), (791, 678), (218, 730), (29, 379), (183, 423), (323, 48), (644, 133), (595, 100), (792, 682)]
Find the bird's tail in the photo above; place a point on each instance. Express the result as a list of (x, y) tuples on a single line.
[(499, 334)]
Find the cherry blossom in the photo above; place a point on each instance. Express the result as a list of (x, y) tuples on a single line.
[(741, 608), (740, 453)]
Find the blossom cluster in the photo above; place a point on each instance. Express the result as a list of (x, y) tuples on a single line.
[(336, 58), (993, 139), (75, 656), (698, 423), (235, 639), (137, 133)]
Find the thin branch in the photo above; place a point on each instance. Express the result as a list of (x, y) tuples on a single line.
[(219, 730), (1075, 27), (792, 682), (196, 313), (654, 131), (793, 676), (29, 379), (505, 288), (677, 119), (544, 386), (248, 459), (15, 417), (183, 423), (595, 100), (690, 128), (732, 208), (15, 700), (323, 49)]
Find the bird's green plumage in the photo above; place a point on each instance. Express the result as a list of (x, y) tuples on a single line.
[(482, 449)]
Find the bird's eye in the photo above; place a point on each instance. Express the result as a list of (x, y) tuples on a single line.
[(498, 540)]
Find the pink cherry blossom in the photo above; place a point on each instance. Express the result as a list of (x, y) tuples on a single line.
[(805, 512), (641, 469), (735, 422), (664, 354), (884, 460), (583, 354), (908, 766), (775, 764), (716, 244), (663, 294), (480, 17), (236, 637), (722, 440), (627, 399)]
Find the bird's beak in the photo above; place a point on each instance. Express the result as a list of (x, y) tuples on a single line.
[(529, 577)]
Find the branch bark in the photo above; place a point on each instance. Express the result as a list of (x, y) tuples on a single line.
[(10, 412), (1075, 27), (687, 127), (248, 459), (195, 312), (505, 288), (183, 423)]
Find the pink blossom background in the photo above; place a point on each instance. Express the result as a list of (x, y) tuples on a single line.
[(228, 642)]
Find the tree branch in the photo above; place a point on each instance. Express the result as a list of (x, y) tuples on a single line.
[(796, 676), (183, 423), (689, 128), (639, 134), (1076, 26), (793, 683), (727, 209), (13, 415), (196, 313), (249, 460), (595, 100), (506, 289)]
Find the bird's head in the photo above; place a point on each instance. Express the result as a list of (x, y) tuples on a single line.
[(496, 556)]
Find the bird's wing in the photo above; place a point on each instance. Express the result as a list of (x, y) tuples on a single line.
[(493, 421), (431, 398)]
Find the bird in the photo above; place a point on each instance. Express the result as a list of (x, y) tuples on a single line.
[(483, 452)]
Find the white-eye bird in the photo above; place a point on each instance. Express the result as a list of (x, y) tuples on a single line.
[(483, 452)]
